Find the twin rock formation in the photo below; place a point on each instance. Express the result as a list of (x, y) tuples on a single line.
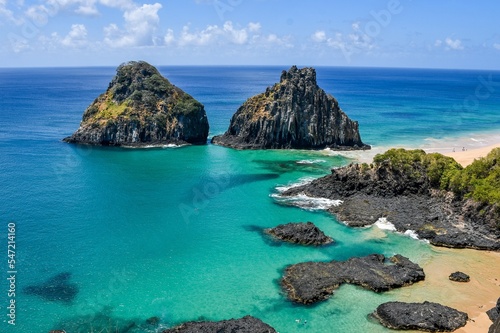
[(294, 113), (140, 107)]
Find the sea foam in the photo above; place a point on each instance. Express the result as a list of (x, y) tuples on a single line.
[(317, 161), (302, 200), (383, 224), (302, 181), (306, 202)]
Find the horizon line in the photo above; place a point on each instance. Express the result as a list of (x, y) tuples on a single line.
[(253, 65)]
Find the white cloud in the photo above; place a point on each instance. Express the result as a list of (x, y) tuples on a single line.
[(121, 4), (354, 42), (496, 46), (169, 37), (237, 36), (319, 36), (449, 44), (18, 44), (203, 37), (82, 7), (254, 27), (223, 35), (87, 10), (8, 14), (77, 36), (141, 24), (454, 44)]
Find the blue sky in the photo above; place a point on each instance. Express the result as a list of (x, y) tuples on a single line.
[(387, 33)]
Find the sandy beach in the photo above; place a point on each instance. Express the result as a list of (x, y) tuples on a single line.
[(481, 293), (467, 157), (475, 297)]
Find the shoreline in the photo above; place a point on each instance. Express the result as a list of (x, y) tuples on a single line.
[(474, 297), (467, 157), (482, 292), (464, 149)]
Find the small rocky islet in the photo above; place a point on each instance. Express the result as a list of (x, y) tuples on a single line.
[(426, 316), (292, 114), (142, 108), (312, 282), (247, 324), (300, 233)]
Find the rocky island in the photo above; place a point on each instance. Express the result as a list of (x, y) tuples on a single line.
[(142, 108), (428, 194), (312, 282), (426, 316), (247, 324), (294, 113), (300, 233)]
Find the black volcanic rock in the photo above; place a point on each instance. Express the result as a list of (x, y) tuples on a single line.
[(294, 113), (246, 324), (142, 108), (495, 327), (300, 233), (427, 316), (494, 313), (459, 277), (311, 282), (405, 196)]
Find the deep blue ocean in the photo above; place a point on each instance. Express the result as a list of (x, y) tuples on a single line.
[(108, 236)]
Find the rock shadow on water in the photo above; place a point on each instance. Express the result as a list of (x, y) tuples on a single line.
[(295, 165), (104, 321), (56, 289), (268, 240), (209, 187)]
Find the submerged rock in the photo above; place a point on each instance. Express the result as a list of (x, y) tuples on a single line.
[(311, 282), (56, 289), (294, 113), (300, 233), (246, 324), (459, 277), (139, 108), (427, 316)]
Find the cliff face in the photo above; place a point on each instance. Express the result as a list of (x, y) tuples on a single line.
[(140, 107), (294, 113)]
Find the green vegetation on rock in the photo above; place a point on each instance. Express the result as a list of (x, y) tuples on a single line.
[(141, 107), (479, 181)]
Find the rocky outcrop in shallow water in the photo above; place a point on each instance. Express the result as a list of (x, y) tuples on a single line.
[(407, 199), (294, 113), (459, 277), (427, 316), (142, 108), (246, 324), (300, 233), (311, 282)]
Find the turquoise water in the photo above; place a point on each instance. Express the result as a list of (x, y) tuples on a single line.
[(171, 233)]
